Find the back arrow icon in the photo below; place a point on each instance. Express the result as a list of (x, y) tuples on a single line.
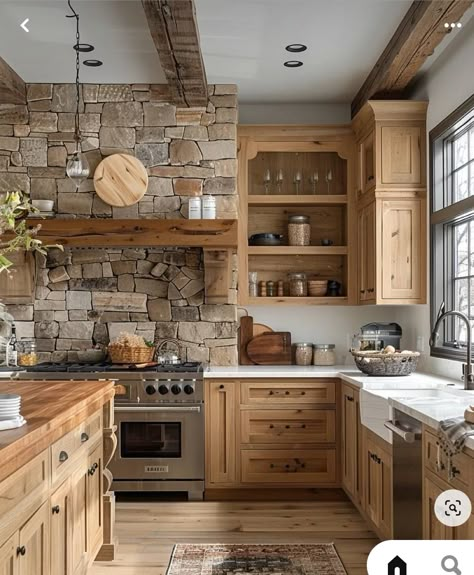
[(23, 25)]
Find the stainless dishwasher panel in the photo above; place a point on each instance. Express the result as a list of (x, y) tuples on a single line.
[(407, 476)]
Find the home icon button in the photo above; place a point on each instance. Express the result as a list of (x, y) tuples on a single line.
[(397, 566)]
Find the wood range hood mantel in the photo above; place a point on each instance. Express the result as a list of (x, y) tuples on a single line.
[(218, 238)]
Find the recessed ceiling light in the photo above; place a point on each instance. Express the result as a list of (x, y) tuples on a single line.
[(83, 47), (293, 64), (296, 48), (92, 63)]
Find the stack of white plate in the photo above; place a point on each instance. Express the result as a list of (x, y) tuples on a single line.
[(10, 404)]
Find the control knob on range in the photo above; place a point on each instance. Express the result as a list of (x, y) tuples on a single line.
[(188, 389), (175, 389), (150, 389), (163, 389)]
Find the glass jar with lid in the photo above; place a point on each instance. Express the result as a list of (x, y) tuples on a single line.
[(324, 354), (27, 355), (299, 230), (303, 353), (298, 284)]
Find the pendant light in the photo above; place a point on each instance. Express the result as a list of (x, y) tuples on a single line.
[(77, 167)]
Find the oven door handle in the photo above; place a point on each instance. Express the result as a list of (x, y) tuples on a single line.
[(162, 409)]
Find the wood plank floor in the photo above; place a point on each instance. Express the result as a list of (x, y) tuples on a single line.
[(147, 531)]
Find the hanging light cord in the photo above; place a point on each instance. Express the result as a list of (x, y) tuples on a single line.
[(78, 65)]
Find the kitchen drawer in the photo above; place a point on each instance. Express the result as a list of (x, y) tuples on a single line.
[(288, 426), (22, 493), (65, 450), (462, 472), (296, 466), (281, 392)]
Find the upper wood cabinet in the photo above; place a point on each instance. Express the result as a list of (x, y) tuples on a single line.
[(391, 145), (391, 192), (297, 170)]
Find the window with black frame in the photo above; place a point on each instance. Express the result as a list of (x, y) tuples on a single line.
[(452, 227)]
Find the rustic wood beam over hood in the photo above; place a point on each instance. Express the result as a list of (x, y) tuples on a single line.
[(174, 30)]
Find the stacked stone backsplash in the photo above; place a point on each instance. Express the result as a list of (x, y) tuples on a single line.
[(87, 296)]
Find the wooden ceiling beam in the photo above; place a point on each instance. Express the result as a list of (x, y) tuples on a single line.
[(12, 87), (420, 32), (174, 30)]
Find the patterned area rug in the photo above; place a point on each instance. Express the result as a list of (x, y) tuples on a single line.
[(213, 559)]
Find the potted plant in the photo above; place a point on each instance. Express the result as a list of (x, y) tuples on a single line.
[(14, 232)]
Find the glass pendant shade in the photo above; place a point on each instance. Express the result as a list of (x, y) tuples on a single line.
[(78, 168)]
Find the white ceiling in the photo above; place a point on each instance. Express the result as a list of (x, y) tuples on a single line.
[(117, 28), (244, 41)]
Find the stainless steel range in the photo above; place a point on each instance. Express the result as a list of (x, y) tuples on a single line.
[(159, 412)]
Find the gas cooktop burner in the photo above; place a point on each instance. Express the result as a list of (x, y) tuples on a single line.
[(189, 366)]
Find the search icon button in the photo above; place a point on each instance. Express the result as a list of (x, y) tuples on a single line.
[(450, 565)]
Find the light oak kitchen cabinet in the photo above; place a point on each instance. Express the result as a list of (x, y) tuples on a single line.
[(351, 443), (272, 433), (391, 202), (52, 504)]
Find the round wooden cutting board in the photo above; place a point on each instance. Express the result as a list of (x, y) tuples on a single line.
[(120, 180)]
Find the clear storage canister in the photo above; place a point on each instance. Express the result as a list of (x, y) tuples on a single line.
[(299, 231), (298, 284), (303, 353), (324, 354), (27, 355)]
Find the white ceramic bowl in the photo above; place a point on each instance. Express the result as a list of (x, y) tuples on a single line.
[(43, 205)]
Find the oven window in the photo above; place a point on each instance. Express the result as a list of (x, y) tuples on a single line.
[(142, 439)]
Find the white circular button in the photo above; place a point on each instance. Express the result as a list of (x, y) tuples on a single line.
[(453, 508)]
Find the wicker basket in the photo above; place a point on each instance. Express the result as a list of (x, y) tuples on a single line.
[(125, 354), (386, 364)]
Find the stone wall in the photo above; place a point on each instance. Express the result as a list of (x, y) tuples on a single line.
[(88, 296)]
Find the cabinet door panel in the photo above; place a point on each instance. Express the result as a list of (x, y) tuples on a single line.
[(78, 549), (8, 556), (94, 517), (386, 494), (61, 534), (401, 161), (349, 438), (367, 247), (221, 432), (34, 542), (402, 264), (372, 484), (432, 528)]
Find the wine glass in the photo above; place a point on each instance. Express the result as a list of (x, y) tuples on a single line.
[(297, 181), (329, 178), (279, 180), (314, 179), (267, 180)]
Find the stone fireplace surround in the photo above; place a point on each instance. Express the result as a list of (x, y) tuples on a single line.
[(87, 296)]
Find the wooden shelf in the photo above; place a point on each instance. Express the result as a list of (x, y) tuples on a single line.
[(213, 234), (297, 250), (298, 300), (306, 200)]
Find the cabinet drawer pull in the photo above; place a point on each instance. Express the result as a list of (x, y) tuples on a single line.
[(55, 510), (95, 466), (21, 550), (271, 425), (221, 386), (362, 291), (349, 398), (270, 392), (91, 471), (63, 456), (303, 426), (303, 393), (287, 427), (287, 466), (287, 393), (84, 437)]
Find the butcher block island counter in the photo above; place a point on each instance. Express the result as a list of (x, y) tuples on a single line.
[(56, 511)]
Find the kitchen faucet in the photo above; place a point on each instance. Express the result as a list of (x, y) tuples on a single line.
[(468, 376)]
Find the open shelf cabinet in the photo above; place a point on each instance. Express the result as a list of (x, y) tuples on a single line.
[(286, 172)]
